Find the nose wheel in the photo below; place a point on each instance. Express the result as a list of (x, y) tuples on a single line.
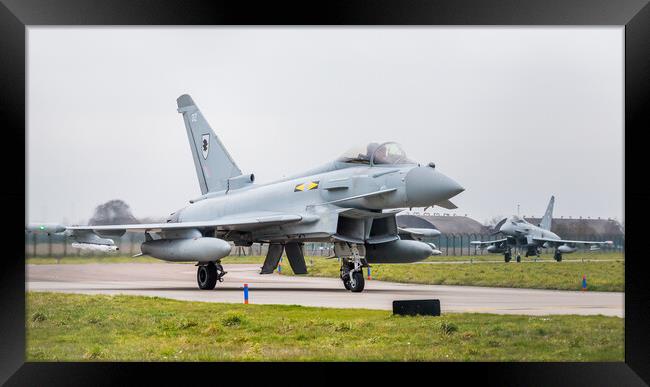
[(351, 273), (355, 282)]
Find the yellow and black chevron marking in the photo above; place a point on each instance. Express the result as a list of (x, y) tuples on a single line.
[(306, 186)]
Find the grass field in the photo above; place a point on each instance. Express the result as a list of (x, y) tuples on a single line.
[(601, 276), (67, 327), (586, 256)]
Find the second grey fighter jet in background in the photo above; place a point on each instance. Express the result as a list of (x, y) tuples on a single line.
[(524, 236), (351, 202)]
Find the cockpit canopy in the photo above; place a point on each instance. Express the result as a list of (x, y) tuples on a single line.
[(388, 153), (517, 220)]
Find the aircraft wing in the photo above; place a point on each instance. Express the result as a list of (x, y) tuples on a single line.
[(239, 222), (557, 242), (447, 204), (484, 243), (248, 221)]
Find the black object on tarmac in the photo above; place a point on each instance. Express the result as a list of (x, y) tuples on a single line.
[(416, 307)]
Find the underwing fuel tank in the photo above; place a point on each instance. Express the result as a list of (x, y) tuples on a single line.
[(495, 249), (399, 251), (564, 249), (200, 249)]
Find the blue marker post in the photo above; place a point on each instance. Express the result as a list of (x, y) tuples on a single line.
[(369, 277), (245, 293), (280, 266), (584, 282)]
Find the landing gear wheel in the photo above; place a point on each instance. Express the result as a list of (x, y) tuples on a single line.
[(507, 257), (558, 256), (359, 282), (346, 283), (206, 276), (518, 258), (346, 270)]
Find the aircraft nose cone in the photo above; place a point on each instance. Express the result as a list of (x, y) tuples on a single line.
[(426, 186), (506, 228)]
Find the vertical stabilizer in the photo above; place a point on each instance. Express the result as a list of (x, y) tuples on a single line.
[(213, 163), (548, 215)]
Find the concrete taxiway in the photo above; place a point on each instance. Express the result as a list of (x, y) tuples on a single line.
[(178, 281)]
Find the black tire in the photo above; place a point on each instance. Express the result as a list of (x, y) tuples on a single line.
[(558, 257), (345, 269), (206, 276), (346, 284), (507, 257), (360, 282), (518, 258)]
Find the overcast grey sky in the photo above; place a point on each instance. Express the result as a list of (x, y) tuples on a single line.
[(513, 114)]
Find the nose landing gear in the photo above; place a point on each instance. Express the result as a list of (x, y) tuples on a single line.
[(351, 273)]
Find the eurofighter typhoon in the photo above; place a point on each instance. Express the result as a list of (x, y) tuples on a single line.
[(350, 202), (524, 236)]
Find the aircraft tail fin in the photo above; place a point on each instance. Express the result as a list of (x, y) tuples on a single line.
[(545, 223), (213, 163)]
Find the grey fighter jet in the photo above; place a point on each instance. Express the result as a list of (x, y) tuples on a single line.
[(524, 236), (350, 202)]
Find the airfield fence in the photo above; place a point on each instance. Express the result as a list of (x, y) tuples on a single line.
[(56, 246)]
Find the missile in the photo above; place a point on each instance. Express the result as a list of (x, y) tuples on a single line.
[(399, 251), (201, 249), (435, 249), (94, 247)]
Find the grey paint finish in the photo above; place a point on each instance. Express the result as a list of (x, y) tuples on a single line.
[(351, 199), (211, 159)]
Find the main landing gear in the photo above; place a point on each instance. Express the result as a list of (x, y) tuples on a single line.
[(351, 273), (507, 256), (208, 274), (557, 256)]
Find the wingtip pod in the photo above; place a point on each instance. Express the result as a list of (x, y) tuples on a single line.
[(185, 101), (45, 228)]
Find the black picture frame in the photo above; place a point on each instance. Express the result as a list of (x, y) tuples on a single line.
[(634, 15)]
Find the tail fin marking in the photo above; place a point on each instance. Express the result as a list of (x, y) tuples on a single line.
[(545, 223), (214, 165)]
